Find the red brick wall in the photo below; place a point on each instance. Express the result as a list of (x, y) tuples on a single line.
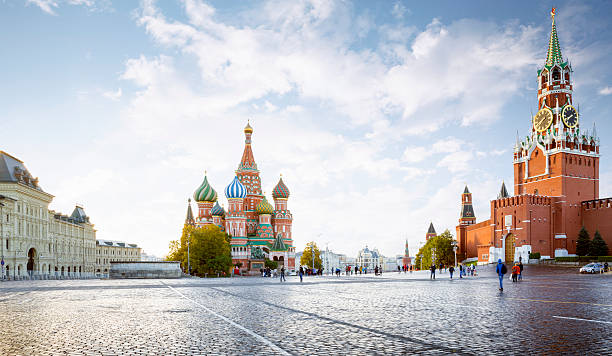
[(477, 234), (597, 215)]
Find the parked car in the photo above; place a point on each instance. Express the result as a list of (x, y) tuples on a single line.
[(592, 268)]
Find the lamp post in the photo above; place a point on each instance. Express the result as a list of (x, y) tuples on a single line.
[(455, 251)]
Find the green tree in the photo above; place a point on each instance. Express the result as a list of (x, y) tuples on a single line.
[(598, 246), (306, 259), (583, 242), (208, 247), (438, 249), (271, 264)]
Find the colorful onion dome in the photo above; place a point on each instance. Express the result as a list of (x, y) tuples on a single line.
[(264, 207), (280, 191), (235, 190), (205, 192), (217, 210)]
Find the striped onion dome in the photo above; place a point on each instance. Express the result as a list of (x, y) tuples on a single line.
[(281, 190), (235, 190), (205, 192), (264, 207), (217, 210)]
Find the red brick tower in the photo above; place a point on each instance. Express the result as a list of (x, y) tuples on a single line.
[(557, 159), (406, 259), (248, 174), (466, 218)]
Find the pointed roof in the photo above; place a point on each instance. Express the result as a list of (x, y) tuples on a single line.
[(553, 55), (594, 133), (247, 163), (466, 190), (279, 244), (431, 229), (78, 214), (467, 211), (189, 220), (503, 192)]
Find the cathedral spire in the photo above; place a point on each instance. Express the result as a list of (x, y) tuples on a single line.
[(247, 163), (554, 49), (189, 220)]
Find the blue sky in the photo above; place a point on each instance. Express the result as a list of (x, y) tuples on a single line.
[(376, 113)]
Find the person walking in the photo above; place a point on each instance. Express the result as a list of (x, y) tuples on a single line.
[(501, 270), (460, 271), (441, 266), (451, 269), (433, 272), (520, 276), (282, 275), (301, 273), (515, 272)]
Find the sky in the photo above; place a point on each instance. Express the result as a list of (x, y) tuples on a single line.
[(375, 113)]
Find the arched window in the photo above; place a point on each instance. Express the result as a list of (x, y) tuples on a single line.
[(556, 74)]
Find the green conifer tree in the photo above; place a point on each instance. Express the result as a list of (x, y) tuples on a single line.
[(583, 243), (598, 246)]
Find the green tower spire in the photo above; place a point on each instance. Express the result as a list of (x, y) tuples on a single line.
[(554, 49)]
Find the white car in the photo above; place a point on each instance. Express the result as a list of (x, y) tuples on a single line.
[(592, 268)]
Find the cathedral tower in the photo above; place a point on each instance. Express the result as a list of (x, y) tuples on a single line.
[(248, 174), (282, 216)]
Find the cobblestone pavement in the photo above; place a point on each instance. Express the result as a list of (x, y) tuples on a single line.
[(553, 310)]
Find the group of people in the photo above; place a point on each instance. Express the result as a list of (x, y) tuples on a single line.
[(464, 271), (501, 270), (405, 268)]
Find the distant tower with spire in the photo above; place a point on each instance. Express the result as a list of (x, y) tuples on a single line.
[(406, 261), (431, 232), (189, 220)]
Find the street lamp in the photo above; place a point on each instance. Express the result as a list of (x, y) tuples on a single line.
[(455, 251)]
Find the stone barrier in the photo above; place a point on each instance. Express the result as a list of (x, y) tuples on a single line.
[(145, 270)]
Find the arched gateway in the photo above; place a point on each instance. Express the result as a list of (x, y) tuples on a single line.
[(31, 261)]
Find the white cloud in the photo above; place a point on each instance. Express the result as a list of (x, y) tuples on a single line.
[(113, 95), (605, 91), (416, 154), (47, 6), (399, 10)]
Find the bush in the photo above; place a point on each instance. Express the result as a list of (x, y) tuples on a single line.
[(534, 256), (567, 259), (604, 259)]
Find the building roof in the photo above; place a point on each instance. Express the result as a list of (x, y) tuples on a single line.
[(78, 215), (466, 190), (279, 244), (247, 163), (467, 211), (13, 170), (217, 210), (111, 243), (553, 56), (280, 191), (431, 229), (205, 192), (189, 220), (264, 207), (235, 189), (503, 192)]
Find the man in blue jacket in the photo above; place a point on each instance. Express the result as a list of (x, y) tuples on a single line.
[(501, 270)]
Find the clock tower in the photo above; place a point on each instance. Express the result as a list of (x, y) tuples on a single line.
[(557, 159)]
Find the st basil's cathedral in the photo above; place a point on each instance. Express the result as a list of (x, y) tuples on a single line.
[(556, 181), (258, 230)]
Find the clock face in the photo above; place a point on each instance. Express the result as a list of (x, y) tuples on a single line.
[(543, 119), (570, 116)]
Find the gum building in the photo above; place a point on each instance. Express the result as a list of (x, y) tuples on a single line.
[(556, 181)]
